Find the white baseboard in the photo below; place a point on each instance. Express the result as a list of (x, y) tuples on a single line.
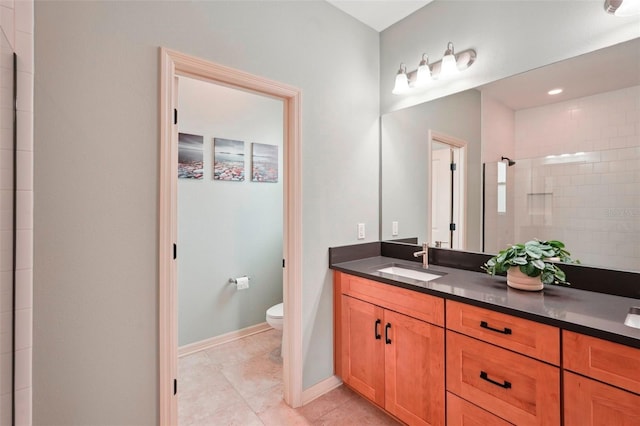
[(221, 339), (320, 389)]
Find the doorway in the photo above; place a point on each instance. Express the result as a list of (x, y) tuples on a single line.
[(447, 222), (174, 64)]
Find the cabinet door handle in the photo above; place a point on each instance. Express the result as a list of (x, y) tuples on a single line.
[(386, 333), (485, 376), (375, 330), (484, 324)]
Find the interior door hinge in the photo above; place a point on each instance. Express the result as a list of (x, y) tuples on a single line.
[(175, 116), (175, 386), (453, 167), (175, 251), (283, 263), (452, 227)]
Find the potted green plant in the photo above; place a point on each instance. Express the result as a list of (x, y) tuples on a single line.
[(531, 265)]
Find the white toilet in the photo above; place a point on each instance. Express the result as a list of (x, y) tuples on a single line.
[(275, 315)]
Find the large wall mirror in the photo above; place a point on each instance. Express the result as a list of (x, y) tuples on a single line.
[(534, 165)]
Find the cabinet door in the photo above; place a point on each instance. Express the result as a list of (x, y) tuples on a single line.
[(363, 348), (591, 403), (414, 370)]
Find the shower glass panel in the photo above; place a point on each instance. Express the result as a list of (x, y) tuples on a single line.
[(588, 200), (7, 229)]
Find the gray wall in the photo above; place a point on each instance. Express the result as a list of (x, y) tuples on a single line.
[(227, 229), (405, 166), (96, 175)]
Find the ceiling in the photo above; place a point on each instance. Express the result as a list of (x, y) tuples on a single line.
[(603, 70), (379, 14)]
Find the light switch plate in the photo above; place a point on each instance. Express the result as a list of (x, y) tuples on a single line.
[(394, 228), (361, 231)]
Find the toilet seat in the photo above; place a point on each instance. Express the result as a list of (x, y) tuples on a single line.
[(276, 311), (275, 315)]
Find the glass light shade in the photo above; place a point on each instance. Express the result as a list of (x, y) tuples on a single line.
[(448, 67), (423, 75), (622, 7), (402, 84)]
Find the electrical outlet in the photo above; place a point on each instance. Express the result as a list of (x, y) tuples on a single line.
[(394, 229), (361, 231)]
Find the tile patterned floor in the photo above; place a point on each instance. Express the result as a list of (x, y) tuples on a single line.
[(240, 384)]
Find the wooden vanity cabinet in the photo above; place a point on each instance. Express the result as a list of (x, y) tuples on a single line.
[(392, 358), (587, 400), (500, 369), (495, 362)]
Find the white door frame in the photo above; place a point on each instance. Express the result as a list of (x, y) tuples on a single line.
[(172, 64), (461, 146)]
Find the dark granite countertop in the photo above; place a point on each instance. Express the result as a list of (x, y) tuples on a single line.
[(596, 314)]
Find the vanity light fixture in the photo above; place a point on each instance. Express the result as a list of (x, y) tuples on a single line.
[(450, 65), (622, 7), (423, 74), (402, 81)]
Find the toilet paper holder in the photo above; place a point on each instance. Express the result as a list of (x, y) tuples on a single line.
[(234, 281)]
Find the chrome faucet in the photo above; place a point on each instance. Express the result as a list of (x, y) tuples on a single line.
[(425, 255)]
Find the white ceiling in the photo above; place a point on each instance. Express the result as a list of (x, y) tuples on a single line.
[(379, 14), (604, 70)]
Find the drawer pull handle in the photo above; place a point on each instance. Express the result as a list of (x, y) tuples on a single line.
[(484, 324), (375, 330), (485, 376), (386, 333)]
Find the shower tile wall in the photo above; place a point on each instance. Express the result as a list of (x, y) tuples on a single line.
[(578, 174), (16, 21)]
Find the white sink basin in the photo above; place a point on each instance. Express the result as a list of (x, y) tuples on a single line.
[(409, 273), (633, 317)]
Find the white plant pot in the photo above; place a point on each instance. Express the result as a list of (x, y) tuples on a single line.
[(516, 279)]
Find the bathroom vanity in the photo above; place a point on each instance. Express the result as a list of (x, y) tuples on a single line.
[(463, 348)]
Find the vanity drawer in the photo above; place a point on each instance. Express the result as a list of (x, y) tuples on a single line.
[(609, 362), (530, 338), (412, 303), (514, 387), (463, 413)]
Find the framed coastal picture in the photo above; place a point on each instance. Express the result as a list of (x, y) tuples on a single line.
[(228, 160), (264, 162), (190, 164)]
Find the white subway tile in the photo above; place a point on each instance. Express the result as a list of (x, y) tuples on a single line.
[(24, 288), (25, 130), (24, 210), (24, 329), (24, 97), (25, 171), (5, 408), (24, 16), (23, 368), (6, 22), (23, 406), (24, 51), (24, 249), (6, 291)]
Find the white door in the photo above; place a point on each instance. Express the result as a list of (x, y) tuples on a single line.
[(440, 195)]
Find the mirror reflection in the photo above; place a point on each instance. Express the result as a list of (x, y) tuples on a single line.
[(532, 165)]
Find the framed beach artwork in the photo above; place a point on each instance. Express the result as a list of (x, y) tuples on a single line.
[(228, 160), (190, 162), (264, 162)]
